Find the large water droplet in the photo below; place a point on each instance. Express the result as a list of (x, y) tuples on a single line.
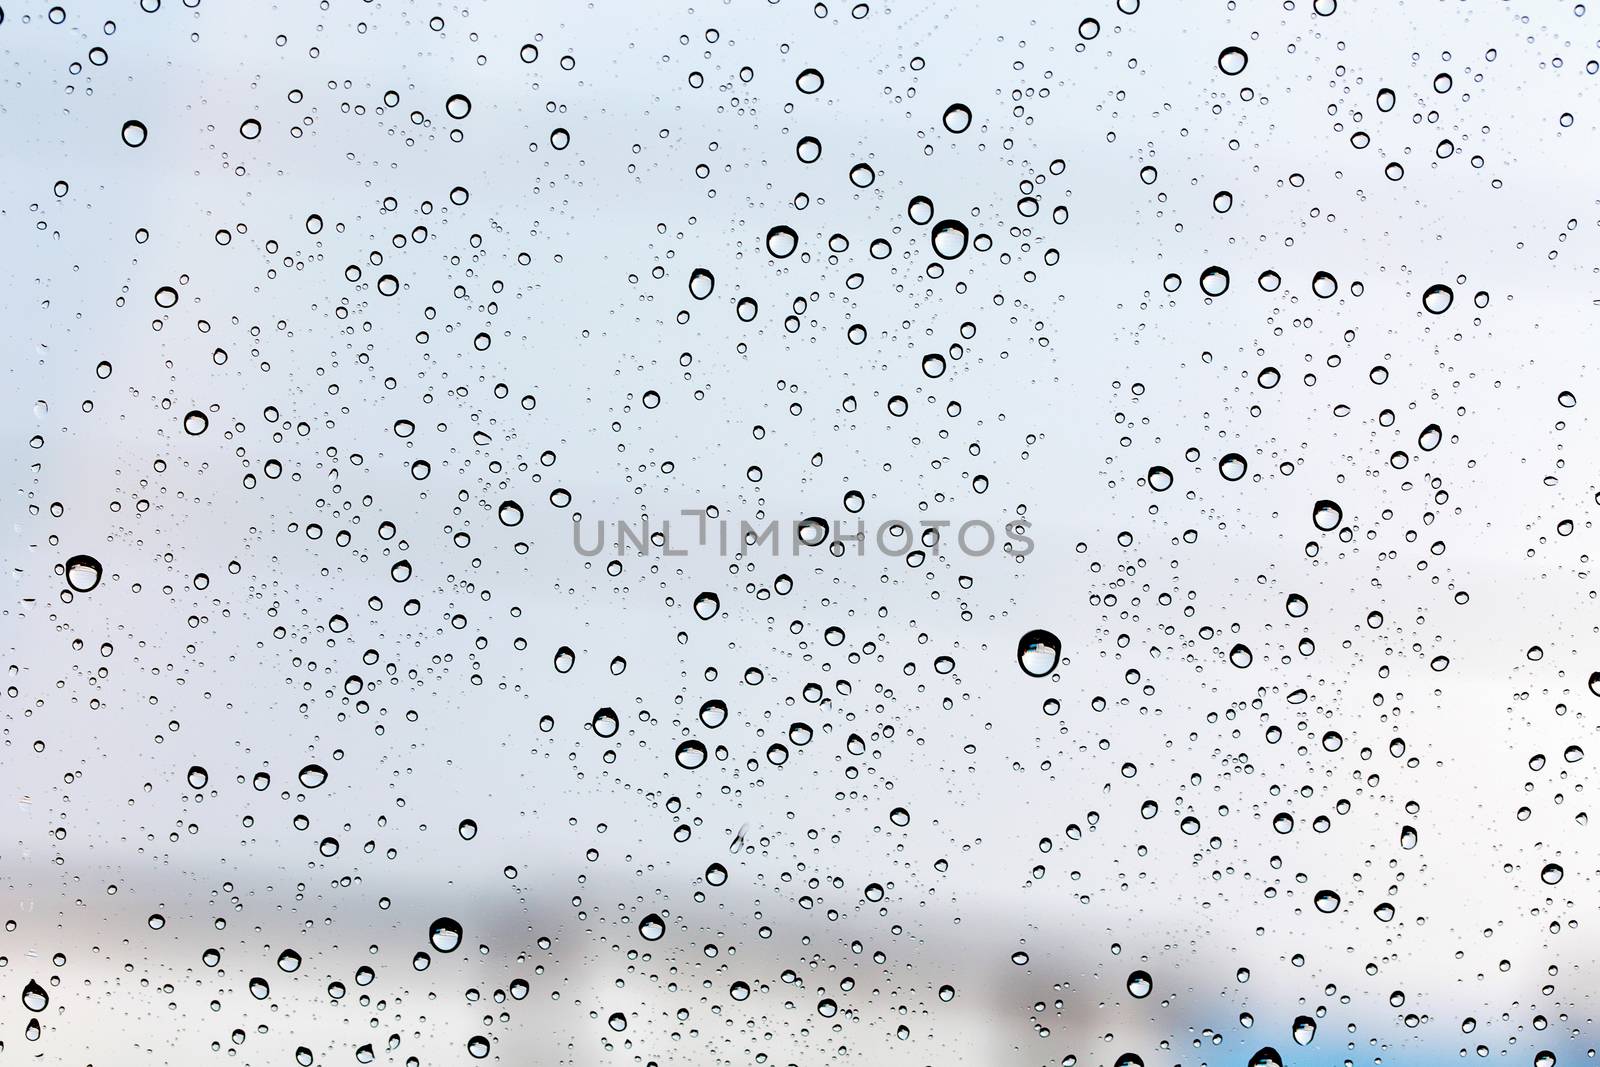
[(957, 118), (949, 238), (782, 241), (1326, 515), (701, 283), (1038, 653), (1438, 298), (83, 573), (34, 997), (445, 934), (690, 754)]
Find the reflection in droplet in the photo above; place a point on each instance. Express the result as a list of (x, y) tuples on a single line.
[(690, 754), (445, 934), (1139, 984), (34, 997), (1214, 281), (949, 238), (782, 241), (1038, 652), (701, 283), (83, 573), (957, 118), (1326, 515), (1438, 298)]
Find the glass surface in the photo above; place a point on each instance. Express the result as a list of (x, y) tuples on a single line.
[(786, 534)]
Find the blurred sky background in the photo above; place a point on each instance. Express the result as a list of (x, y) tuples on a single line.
[(1075, 382)]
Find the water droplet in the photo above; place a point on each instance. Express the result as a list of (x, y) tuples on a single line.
[(83, 573), (781, 242), (1305, 1028), (1551, 873), (690, 754), (510, 513), (134, 133), (1159, 479), (1038, 653), (1214, 281), (701, 283), (1232, 466), (34, 997), (445, 934), (957, 118), (1240, 656), (195, 423), (809, 81), (1438, 298), (605, 723), (1327, 901), (1232, 60), (1139, 984), (1326, 515)]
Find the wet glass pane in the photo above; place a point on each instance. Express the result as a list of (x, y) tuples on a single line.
[(799, 533)]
